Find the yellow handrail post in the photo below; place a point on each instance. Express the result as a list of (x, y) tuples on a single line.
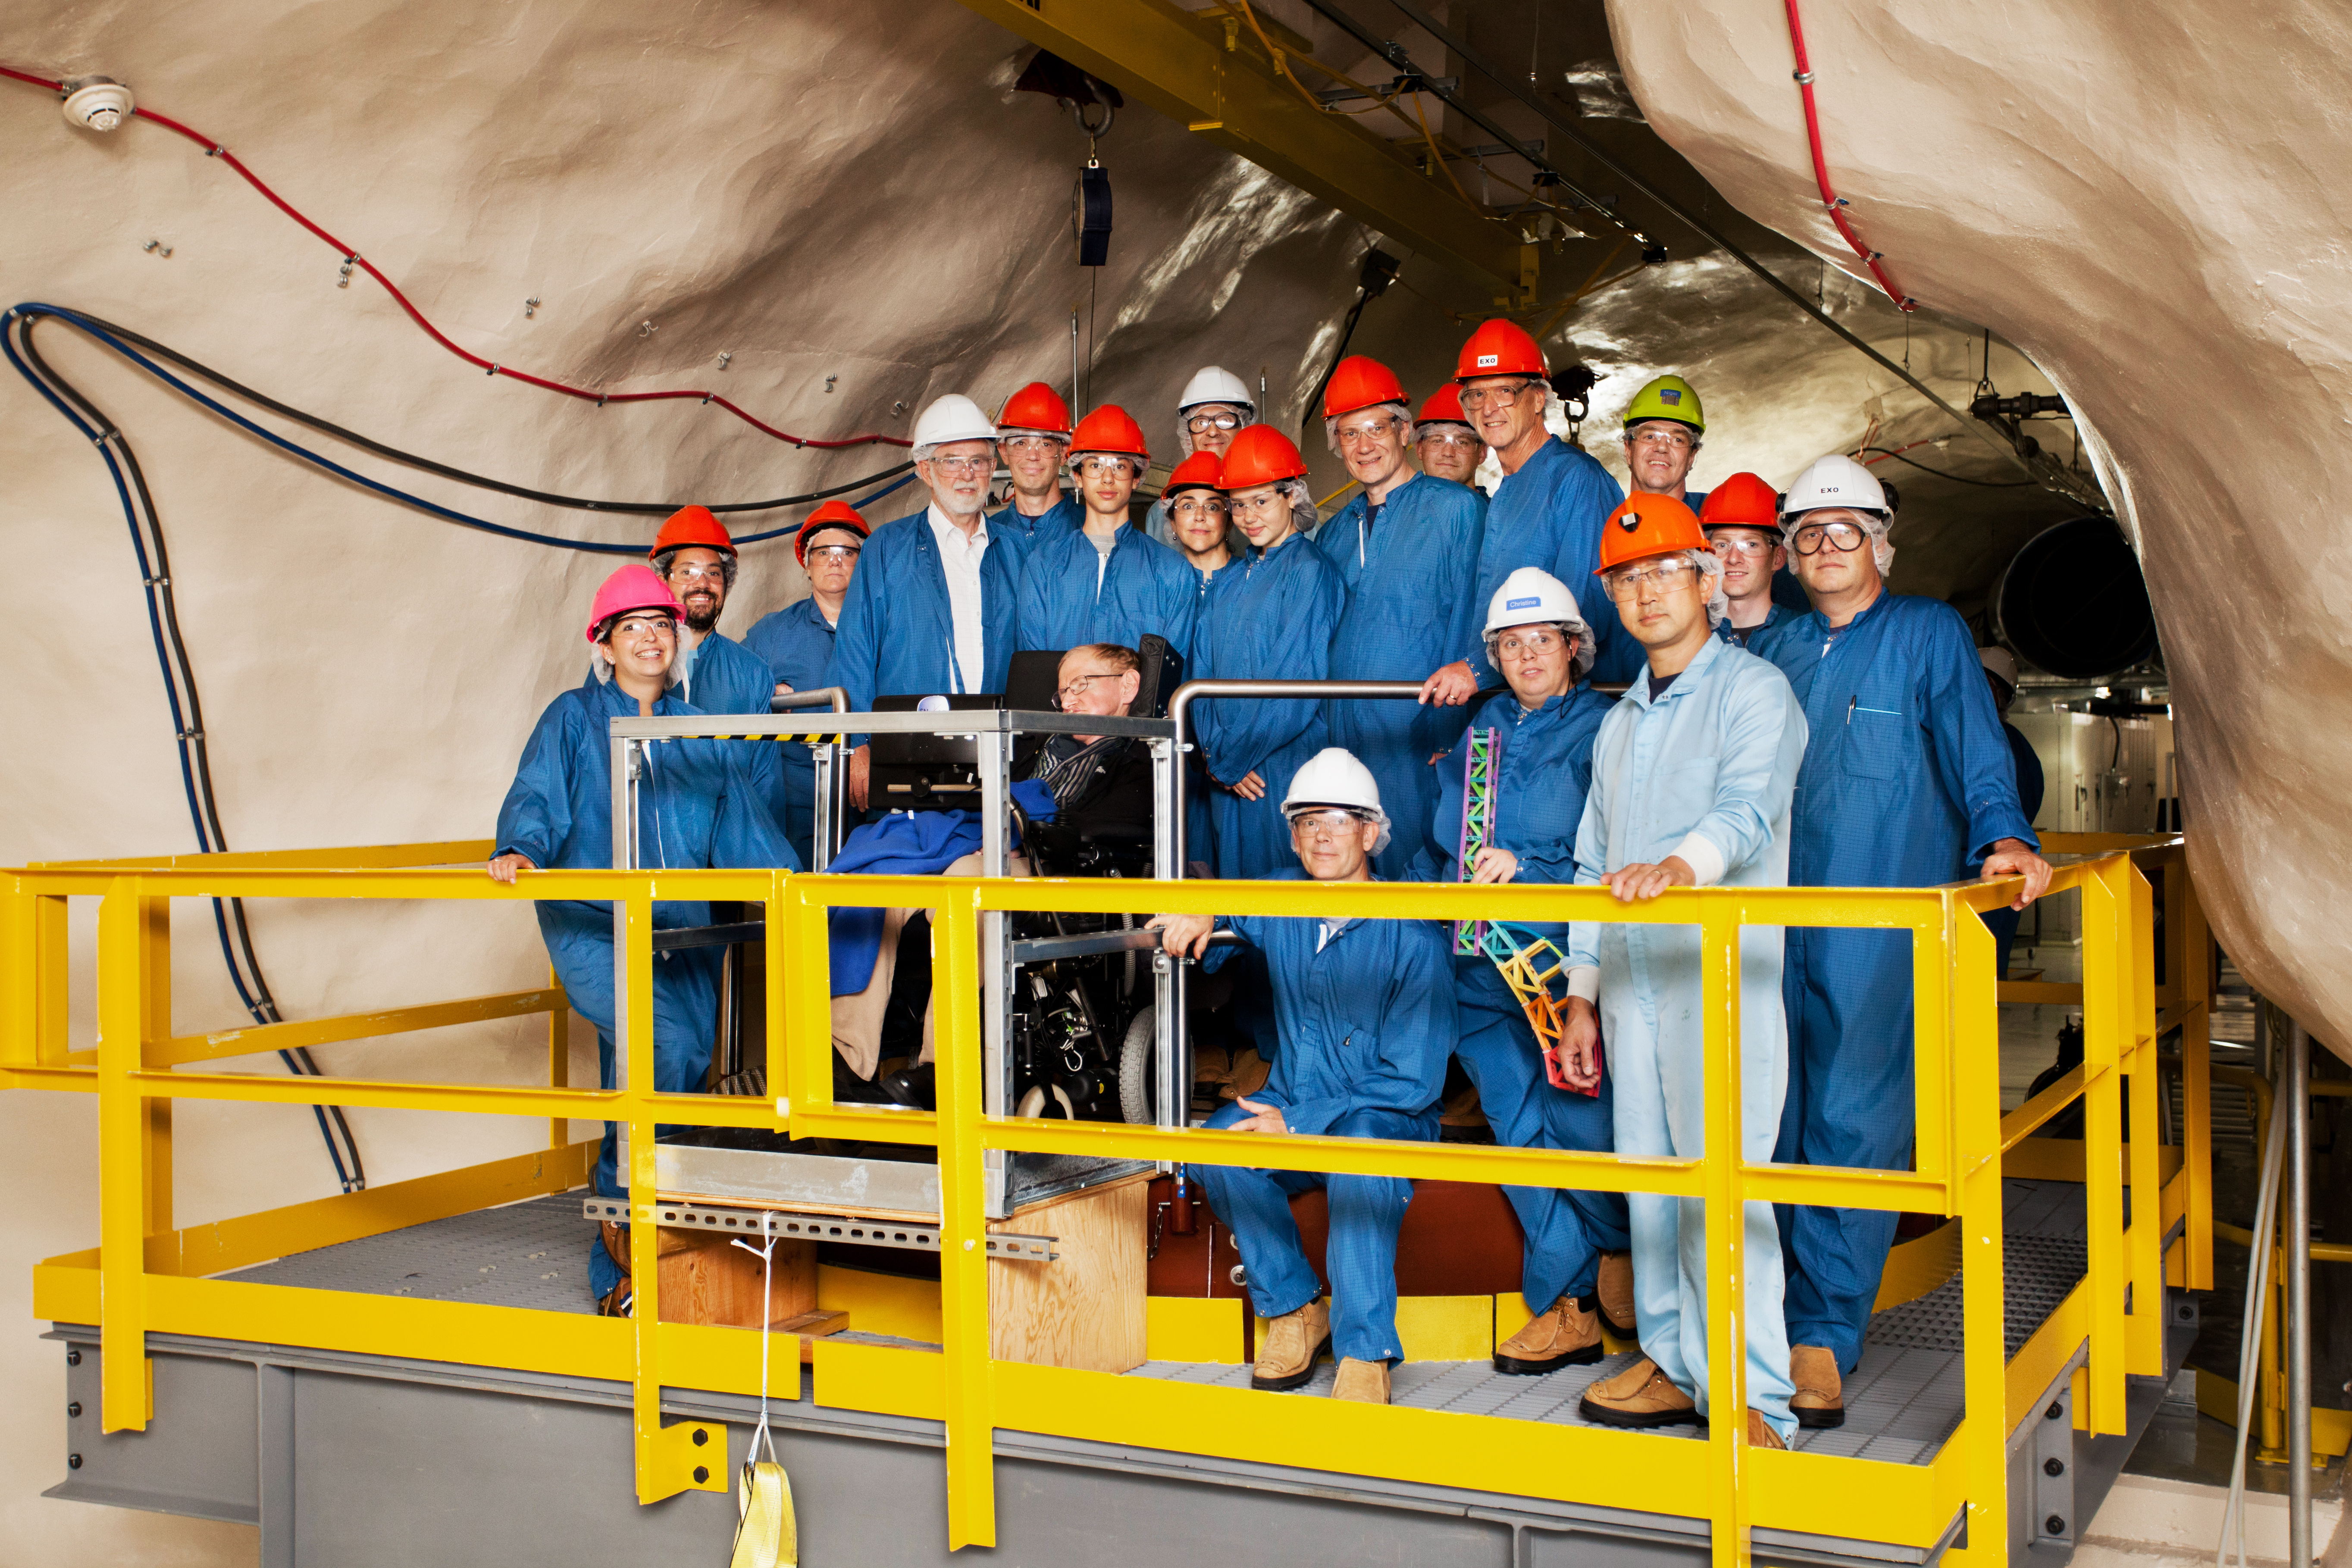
[(963, 1261), (559, 1059), (654, 1481), (125, 1185), (1976, 1018), (2184, 918), (1727, 1221), (2107, 1017), (2145, 1244), (802, 1016)]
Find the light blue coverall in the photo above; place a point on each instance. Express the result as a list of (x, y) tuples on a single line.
[(1071, 594), (1715, 757), (702, 803), (797, 643), (1409, 570), (897, 635), (1271, 617), (1367, 1022), (1908, 782), (1540, 789), (1549, 514)]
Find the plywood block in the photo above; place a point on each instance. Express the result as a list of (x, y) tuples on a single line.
[(1086, 1309), (705, 1279), (1192, 1328)]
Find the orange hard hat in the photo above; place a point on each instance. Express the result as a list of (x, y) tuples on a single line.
[(1201, 471), (1360, 381), (1110, 429), (1644, 525), (1035, 407), (1743, 501), (1445, 406), (690, 527), (1261, 455), (1500, 348), (832, 514)]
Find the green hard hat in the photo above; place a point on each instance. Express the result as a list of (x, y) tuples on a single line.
[(1668, 397)]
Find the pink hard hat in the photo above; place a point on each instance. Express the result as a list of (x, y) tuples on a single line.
[(634, 587)]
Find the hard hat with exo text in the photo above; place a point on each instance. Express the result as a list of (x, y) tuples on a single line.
[(837, 514), (1333, 777), (1215, 383), (1360, 381), (953, 418), (1645, 524), (1743, 501), (1036, 409), (1201, 471), (631, 588), (689, 528), (1443, 408), (1668, 397), (1501, 348), (1532, 597), (1109, 429), (1261, 455), (1836, 480)]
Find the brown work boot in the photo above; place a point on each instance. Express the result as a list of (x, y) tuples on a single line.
[(1615, 1289), (1287, 1350), (1820, 1400), (1641, 1395), (1366, 1381), (1566, 1333), (1249, 1075), (1762, 1433)]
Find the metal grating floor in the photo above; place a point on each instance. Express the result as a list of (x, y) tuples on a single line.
[(530, 1254)]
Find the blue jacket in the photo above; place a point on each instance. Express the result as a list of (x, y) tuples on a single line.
[(1909, 780), (725, 676), (1540, 788), (1270, 617), (1759, 641), (1366, 1024), (1549, 514), (896, 635), (1063, 516), (796, 642), (1145, 588)]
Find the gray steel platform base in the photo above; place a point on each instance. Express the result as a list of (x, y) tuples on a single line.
[(353, 1460)]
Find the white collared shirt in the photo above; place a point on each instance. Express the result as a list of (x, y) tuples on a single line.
[(959, 559)]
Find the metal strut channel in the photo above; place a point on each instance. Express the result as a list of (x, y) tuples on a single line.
[(906, 1236)]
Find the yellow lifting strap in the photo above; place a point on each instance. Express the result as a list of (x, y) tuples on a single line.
[(767, 1534)]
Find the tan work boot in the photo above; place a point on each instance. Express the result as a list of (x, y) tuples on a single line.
[(1819, 1403), (1641, 1395), (1760, 1432), (1615, 1289), (1288, 1352), (1566, 1333), (1364, 1381)]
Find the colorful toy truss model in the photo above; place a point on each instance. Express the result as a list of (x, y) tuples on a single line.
[(1482, 759)]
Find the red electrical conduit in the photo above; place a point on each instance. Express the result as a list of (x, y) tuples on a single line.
[(1831, 200), (352, 257)]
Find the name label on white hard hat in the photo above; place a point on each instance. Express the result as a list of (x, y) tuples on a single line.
[(1485, 360), (1522, 603)]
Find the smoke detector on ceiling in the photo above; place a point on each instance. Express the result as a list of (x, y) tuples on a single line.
[(97, 103)]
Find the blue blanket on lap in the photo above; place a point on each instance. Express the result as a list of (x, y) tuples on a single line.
[(904, 843)]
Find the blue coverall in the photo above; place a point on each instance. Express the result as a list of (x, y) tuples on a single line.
[(1271, 617), (1409, 572), (797, 643), (897, 635), (702, 803), (1064, 516), (1713, 760), (1760, 639), (1549, 514), (1907, 782), (1367, 1022), (1071, 594), (722, 676), (1539, 787)]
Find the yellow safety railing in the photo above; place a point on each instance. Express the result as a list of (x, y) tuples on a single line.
[(146, 1277)]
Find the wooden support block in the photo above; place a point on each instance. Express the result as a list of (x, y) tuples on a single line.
[(811, 1327), (1085, 1309), (705, 1279)]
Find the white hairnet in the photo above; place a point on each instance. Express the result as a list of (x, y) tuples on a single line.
[(1331, 425), (1302, 503), (1718, 603)]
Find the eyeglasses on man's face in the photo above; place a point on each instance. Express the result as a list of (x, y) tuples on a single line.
[(1326, 827), (963, 467), (1108, 467), (714, 572), (1627, 583), (1079, 687), (1840, 536), (1201, 423), (1473, 398)]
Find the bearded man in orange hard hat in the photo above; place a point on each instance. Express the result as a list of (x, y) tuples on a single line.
[(694, 556)]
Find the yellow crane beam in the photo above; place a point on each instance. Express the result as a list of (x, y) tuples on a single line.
[(1192, 67)]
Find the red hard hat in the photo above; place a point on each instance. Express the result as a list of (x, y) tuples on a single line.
[(1500, 348), (1035, 407), (1259, 456), (1743, 501), (690, 527), (634, 587), (1644, 525), (832, 514), (1201, 471), (1445, 406), (1360, 381), (1110, 429)]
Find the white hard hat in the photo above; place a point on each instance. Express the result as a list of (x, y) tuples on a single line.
[(1333, 776), (1530, 596), (1216, 385), (955, 418), (1836, 480), (2000, 664)]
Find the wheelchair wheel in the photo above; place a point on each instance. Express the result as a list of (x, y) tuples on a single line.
[(1135, 1055)]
